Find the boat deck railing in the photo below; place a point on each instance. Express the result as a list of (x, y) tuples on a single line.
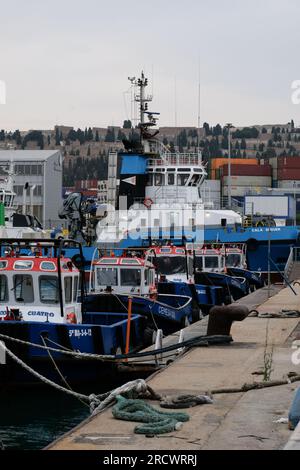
[(176, 159)]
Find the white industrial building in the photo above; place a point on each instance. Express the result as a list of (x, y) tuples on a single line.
[(42, 171)]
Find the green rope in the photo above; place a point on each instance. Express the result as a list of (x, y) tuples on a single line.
[(157, 422)]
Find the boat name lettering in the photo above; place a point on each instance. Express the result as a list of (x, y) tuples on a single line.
[(272, 229), (79, 333), (166, 312), (40, 313)]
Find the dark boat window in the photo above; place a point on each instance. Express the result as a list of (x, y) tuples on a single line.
[(199, 262), (68, 289), (211, 262), (171, 179), (182, 179), (150, 180), (49, 289), (170, 264), (3, 288), (159, 179), (23, 288), (233, 260), (107, 277), (130, 277)]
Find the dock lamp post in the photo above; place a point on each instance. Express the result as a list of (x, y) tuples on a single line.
[(229, 126)]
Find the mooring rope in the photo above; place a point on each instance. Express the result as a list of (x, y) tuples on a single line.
[(196, 341), (96, 402)]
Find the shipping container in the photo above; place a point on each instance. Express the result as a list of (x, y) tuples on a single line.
[(288, 162), (240, 191), (288, 184), (248, 170), (217, 163), (248, 181), (288, 174), (277, 206)]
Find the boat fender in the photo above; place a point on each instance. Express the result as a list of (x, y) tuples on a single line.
[(71, 318)]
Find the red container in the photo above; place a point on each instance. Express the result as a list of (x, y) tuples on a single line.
[(289, 162), (248, 170), (288, 174)]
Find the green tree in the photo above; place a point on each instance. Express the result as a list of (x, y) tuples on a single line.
[(127, 124)]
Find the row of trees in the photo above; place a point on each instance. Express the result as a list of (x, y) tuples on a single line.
[(83, 169)]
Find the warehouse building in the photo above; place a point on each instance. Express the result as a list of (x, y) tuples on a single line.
[(40, 171)]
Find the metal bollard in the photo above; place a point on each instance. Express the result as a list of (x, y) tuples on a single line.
[(222, 317)]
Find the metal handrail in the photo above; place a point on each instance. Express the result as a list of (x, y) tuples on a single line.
[(282, 275), (176, 159)]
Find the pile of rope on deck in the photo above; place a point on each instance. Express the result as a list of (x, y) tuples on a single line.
[(155, 421)]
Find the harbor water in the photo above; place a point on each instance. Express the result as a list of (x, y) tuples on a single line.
[(31, 418)]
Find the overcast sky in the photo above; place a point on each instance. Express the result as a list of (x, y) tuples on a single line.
[(67, 62)]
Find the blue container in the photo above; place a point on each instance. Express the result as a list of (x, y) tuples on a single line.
[(294, 414)]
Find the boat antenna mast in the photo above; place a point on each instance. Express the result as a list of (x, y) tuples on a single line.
[(143, 99)]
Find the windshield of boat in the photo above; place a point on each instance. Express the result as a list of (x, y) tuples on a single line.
[(233, 260), (49, 292), (130, 277), (167, 265), (107, 276), (211, 262)]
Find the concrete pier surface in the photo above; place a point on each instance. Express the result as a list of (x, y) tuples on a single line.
[(244, 420)]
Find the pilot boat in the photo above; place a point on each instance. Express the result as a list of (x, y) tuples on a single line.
[(117, 280), (175, 269), (42, 303)]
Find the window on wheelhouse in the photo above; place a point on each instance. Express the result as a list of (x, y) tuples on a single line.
[(150, 180), (211, 262), (23, 288), (182, 179), (159, 179), (76, 288), (149, 277), (131, 277), (68, 289), (233, 260), (107, 276), (48, 286), (199, 262), (171, 179), (3, 288), (7, 200), (167, 265)]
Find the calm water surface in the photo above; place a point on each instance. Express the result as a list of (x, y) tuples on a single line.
[(32, 418)]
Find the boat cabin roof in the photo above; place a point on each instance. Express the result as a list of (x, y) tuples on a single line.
[(217, 251), (168, 250), (123, 261), (36, 264)]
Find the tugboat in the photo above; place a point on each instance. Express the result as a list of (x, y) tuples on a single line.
[(156, 181), (40, 290), (175, 268), (117, 280), (226, 266)]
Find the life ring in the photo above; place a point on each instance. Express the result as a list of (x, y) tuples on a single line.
[(148, 202)]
